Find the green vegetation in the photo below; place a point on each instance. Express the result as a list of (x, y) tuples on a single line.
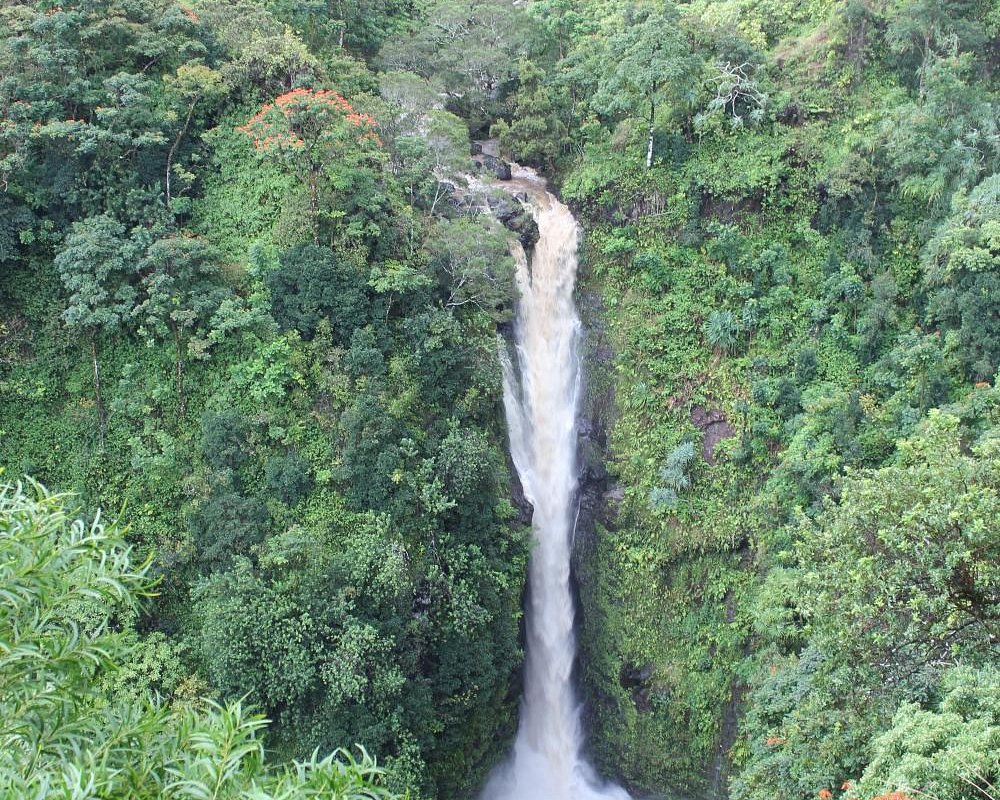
[(240, 313), (75, 724), (246, 308), (790, 244)]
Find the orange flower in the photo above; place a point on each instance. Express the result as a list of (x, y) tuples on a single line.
[(824, 794), (268, 130), (773, 740)]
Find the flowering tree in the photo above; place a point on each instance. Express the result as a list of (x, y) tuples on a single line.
[(332, 148)]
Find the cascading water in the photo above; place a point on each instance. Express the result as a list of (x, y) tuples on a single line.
[(540, 399)]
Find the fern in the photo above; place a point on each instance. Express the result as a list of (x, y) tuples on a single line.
[(674, 478)]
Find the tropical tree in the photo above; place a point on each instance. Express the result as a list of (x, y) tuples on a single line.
[(472, 47), (538, 131), (946, 139), (312, 284), (650, 64), (98, 265), (906, 562), (961, 267), (333, 150), (931, 28), (473, 263), (893, 583), (949, 750), (65, 587), (193, 85), (183, 291)]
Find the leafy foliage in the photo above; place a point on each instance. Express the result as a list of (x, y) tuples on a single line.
[(310, 285), (64, 585), (219, 245), (673, 477), (252, 258), (962, 269)]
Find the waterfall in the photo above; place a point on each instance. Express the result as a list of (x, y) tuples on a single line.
[(541, 396)]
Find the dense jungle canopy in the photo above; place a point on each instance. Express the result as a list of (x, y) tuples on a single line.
[(249, 320)]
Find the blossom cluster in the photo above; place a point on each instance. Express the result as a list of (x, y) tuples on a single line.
[(280, 124)]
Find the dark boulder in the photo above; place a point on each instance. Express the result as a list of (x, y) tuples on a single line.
[(792, 115), (499, 167), (632, 677), (526, 228), (505, 208), (714, 427), (638, 680), (516, 218)]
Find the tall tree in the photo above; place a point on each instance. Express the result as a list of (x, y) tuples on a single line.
[(98, 266), (336, 153), (472, 47), (183, 290), (192, 85), (650, 64), (962, 270), (473, 265)]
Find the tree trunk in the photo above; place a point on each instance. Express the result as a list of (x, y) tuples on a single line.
[(314, 202), (178, 369), (925, 63), (649, 148), (175, 145), (98, 400)]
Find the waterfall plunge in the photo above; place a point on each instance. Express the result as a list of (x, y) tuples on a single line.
[(540, 398)]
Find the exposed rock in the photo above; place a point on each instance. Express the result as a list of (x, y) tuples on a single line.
[(525, 509), (610, 506), (638, 680), (590, 456), (526, 229), (504, 208), (614, 496), (516, 218), (792, 115), (499, 167), (727, 210), (714, 427), (502, 170), (489, 147), (632, 677)]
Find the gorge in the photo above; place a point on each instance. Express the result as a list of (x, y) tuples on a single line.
[(541, 399), (267, 480)]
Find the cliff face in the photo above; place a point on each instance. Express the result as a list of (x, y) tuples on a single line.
[(598, 498), (657, 642)]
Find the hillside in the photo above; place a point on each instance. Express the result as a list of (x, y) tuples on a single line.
[(250, 309)]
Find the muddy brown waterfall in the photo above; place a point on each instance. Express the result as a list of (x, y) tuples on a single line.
[(541, 396)]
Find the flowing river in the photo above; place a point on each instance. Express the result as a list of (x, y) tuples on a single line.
[(541, 396)]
